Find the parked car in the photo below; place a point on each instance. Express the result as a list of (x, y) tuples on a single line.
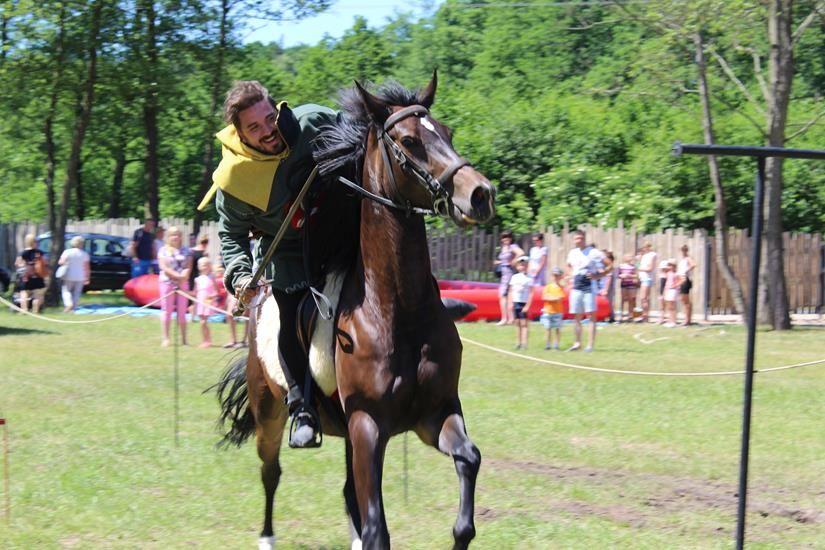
[(111, 268)]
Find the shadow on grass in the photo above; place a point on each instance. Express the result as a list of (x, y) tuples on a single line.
[(17, 331)]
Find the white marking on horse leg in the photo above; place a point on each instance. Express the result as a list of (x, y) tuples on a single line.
[(266, 543), (356, 544)]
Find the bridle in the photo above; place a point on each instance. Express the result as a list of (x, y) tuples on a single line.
[(435, 186)]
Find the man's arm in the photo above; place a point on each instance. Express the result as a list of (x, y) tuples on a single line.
[(233, 231)]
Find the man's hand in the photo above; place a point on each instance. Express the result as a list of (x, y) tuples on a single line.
[(244, 291)]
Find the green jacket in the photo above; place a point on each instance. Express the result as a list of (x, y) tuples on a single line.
[(237, 218)]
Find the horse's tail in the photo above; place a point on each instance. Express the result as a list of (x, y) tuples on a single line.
[(234, 399)]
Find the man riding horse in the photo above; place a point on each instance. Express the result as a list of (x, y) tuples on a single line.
[(267, 159)]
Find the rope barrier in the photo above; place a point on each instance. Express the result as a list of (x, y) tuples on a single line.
[(463, 339), (65, 322), (632, 372)]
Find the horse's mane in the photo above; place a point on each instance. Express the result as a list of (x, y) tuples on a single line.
[(341, 145)]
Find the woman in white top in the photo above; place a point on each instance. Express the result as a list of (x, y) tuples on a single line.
[(684, 274), (647, 264), (76, 273), (537, 266)]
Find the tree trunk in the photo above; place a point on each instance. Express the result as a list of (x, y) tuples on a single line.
[(780, 71), (48, 132), (117, 183), (720, 224), (209, 139), (79, 208), (78, 135), (150, 112)]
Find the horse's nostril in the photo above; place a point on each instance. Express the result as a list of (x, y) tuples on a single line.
[(479, 197)]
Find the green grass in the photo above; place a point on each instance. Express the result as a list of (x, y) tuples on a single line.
[(571, 459)]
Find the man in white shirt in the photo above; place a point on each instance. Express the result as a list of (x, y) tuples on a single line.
[(585, 267)]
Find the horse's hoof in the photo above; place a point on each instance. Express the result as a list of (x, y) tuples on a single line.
[(356, 544), (266, 543)]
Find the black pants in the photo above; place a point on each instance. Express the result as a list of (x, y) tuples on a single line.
[(293, 359)]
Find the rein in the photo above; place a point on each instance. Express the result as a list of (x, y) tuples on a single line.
[(442, 202)]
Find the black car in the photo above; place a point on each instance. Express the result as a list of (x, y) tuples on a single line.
[(111, 268)]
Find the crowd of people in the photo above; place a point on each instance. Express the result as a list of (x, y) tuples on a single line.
[(589, 272), (190, 270)]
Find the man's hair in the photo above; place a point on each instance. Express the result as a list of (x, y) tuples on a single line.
[(578, 232), (538, 236), (242, 95)]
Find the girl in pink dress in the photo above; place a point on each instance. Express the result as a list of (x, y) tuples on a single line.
[(174, 262), (206, 293)]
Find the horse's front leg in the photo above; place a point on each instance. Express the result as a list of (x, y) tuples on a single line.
[(449, 436), (351, 503), (368, 446)]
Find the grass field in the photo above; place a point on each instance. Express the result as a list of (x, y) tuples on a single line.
[(571, 459)]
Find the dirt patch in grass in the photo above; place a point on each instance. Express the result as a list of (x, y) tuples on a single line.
[(667, 495)]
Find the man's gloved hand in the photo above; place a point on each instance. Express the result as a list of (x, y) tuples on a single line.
[(244, 291)]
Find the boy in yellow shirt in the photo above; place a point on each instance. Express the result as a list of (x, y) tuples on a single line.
[(553, 311)]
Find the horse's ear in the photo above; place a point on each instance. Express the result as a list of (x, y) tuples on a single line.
[(427, 95), (375, 107)]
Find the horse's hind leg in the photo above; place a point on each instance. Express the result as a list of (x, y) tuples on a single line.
[(368, 446), (450, 437), (351, 503)]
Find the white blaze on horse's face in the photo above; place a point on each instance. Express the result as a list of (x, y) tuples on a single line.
[(427, 124)]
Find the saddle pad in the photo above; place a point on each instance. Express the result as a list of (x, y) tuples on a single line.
[(321, 356)]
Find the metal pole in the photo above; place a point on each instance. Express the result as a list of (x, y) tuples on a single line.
[(756, 255), (175, 369)]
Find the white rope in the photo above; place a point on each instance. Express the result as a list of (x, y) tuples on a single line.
[(65, 322), (633, 372), (210, 306)]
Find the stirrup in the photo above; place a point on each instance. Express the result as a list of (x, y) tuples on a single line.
[(313, 420)]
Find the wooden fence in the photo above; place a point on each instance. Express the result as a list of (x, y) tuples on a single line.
[(457, 254)]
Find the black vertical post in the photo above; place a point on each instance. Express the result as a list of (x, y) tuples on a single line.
[(756, 254), (821, 304)]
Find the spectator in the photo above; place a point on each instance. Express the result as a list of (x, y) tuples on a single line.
[(31, 274), (537, 267), (684, 272), (583, 263), (553, 311), (607, 286), (160, 239), (506, 258), (142, 248), (647, 263), (629, 282), (198, 251), (76, 273), (206, 294), (175, 264), (228, 304), (521, 290), (662, 272), (670, 293)]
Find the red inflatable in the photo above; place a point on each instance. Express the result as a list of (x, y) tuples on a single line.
[(142, 290), (485, 297)]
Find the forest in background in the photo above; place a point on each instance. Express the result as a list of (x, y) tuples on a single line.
[(571, 110)]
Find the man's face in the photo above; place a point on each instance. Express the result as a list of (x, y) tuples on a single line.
[(258, 128), (149, 226), (578, 240)]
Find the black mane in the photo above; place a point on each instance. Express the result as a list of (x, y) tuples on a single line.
[(341, 145)]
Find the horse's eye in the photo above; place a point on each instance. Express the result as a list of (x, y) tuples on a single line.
[(410, 142)]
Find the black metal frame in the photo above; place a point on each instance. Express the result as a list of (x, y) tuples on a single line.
[(760, 153)]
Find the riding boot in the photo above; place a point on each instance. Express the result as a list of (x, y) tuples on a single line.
[(304, 426)]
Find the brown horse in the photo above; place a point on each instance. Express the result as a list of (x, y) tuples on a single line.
[(397, 353)]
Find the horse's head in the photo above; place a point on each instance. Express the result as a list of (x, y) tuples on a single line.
[(414, 153)]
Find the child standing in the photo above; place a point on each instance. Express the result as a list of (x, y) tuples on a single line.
[(553, 311), (670, 293), (630, 285), (206, 293), (521, 293)]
